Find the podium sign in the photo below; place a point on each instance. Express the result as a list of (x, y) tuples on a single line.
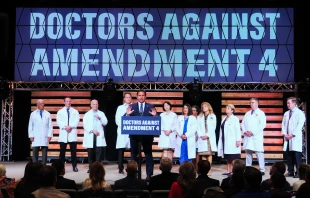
[(141, 125)]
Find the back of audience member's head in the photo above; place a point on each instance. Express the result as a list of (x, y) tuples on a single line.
[(132, 168), (214, 192), (253, 178), (187, 176), (278, 167), (302, 170), (33, 173), (59, 166), (277, 180), (96, 175), (204, 167), (48, 176), (279, 194), (27, 168), (2, 170), (238, 167), (307, 177), (165, 165)]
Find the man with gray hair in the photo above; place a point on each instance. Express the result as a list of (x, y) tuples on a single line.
[(40, 131), (94, 138), (164, 180)]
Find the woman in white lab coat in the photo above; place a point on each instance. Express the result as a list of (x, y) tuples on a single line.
[(168, 124), (229, 143), (206, 132), (196, 111), (186, 128)]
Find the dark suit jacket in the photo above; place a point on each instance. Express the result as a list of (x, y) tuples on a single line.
[(64, 183), (162, 181), (130, 183), (203, 182), (147, 108)]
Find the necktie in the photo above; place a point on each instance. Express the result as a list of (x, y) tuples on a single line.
[(68, 115), (41, 113), (141, 108), (252, 112), (291, 112), (288, 123)]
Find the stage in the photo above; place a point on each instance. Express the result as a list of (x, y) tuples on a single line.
[(16, 170)]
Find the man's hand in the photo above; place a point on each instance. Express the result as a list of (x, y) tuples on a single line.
[(129, 110), (204, 137), (32, 139), (98, 117), (238, 143), (153, 112), (96, 132), (68, 129), (49, 138)]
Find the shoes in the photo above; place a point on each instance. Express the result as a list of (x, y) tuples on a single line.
[(230, 174), (225, 173), (263, 173), (75, 169), (147, 178), (295, 176), (289, 175), (88, 171), (121, 171)]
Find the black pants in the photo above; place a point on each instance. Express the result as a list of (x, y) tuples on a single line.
[(121, 158), (35, 154), (94, 154), (62, 153), (293, 158), (147, 149)]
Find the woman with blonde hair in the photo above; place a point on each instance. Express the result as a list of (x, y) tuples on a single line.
[(206, 132), (229, 143), (96, 180)]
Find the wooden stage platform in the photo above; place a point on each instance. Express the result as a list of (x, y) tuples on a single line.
[(16, 170)]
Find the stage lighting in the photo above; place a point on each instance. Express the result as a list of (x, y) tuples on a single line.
[(109, 89)]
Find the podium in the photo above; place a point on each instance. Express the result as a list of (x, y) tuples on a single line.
[(139, 126)]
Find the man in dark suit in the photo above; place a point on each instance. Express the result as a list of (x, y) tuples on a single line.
[(142, 108), (131, 182), (62, 183), (203, 181), (164, 180)]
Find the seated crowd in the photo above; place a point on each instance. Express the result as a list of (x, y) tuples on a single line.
[(48, 181)]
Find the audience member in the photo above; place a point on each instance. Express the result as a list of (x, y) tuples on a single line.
[(30, 182), (235, 183), (48, 178), (130, 182), (164, 180), (26, 172), (96, 179), (252, 178), (203, 181), (276, 167), (277, 182), (214, 192), (183, 187), (304, 190), (302, 169), (62, 183)]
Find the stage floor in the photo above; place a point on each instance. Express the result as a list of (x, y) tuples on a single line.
[(16, 170)]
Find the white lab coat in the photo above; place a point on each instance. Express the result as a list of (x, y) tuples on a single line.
[(296, 123), (122, 140), (88, 120), (201, 131), (40, 128), (190, 134), (232, 134), (256, 124), (168, 122), (62, 122)]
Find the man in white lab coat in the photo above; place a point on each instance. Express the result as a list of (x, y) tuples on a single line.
[(123, 140), (253, 125), (94, 138), (292, 124), (68, 119), (40, 131)]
